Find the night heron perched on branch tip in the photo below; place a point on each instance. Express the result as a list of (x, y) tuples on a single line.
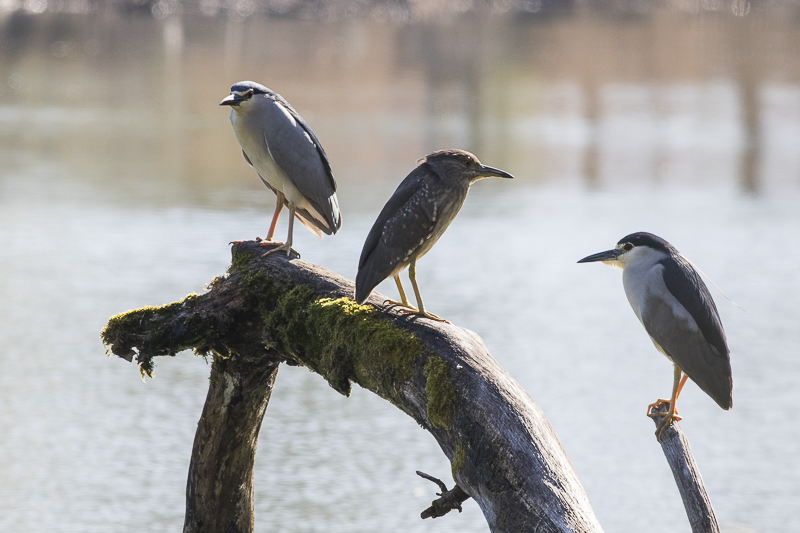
[(414, 218), (288, 157), (677, 311)]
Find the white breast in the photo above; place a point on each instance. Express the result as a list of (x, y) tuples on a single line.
[(641, 276), (643, 280), (252, 140)]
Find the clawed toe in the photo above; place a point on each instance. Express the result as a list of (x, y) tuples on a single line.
[(426, 314), (667, 418), (401, 304), (282, 248)]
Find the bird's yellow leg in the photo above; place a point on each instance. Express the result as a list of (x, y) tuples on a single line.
[(412, 275), (404, 300), (677, 386), (284, 246)]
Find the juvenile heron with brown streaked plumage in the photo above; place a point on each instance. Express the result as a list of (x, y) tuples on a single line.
[(414, 218)]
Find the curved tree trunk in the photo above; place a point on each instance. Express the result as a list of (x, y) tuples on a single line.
[(504, 452)]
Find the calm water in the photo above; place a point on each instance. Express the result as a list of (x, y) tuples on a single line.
[(121, 184)]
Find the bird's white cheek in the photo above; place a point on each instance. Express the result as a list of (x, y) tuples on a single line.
[(614, 263)]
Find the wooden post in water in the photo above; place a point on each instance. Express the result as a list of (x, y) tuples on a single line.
[(687, 475), (219, 490)]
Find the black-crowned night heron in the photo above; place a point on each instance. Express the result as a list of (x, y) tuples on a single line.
[(677, 311), (414, 218), (289, 159)]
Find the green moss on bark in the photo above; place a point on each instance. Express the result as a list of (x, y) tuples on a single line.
[(240, 261), (145, 329), (442, 398), (458, 459), (343, 341), (336, 337)]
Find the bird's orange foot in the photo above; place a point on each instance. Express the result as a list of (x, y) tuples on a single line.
[(668, 417), (426, 314), (652, 409), (282, 248), (257, 239)]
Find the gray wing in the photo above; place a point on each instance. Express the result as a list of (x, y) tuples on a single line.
[(400, 229), (701, 352), (298, 152), (307, 129), (698, 302)]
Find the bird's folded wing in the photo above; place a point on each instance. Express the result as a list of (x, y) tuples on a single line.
[(400, 229), (297, 151), (672, 326), (696, 299)]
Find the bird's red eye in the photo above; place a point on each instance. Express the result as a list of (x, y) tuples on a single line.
[(628, 247)]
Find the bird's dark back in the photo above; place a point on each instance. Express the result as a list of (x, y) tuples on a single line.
[(410, 223), (712, 371)]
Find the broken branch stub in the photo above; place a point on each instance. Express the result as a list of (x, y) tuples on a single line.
[(448, 499)]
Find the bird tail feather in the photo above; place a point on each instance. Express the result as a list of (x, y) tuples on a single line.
[(364, 285), (313, 225)]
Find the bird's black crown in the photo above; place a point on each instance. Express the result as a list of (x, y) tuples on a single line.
[(642, 238), (244, 86)]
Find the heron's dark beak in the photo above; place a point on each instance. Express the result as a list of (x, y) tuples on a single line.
[(232, 100), (491, 172), (608, 255)]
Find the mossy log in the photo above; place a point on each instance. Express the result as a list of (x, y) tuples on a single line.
[(503, 451)]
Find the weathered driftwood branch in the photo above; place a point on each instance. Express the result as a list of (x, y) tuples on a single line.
[(687, 475), (502, 449), (448, 499), (224, 451)]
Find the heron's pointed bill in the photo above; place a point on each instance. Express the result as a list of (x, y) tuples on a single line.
[(232, 100), (607, 257), (491, 172)]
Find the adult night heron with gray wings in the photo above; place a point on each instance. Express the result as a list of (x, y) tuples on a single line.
[(677, 311), (414, 218), (288, 158)]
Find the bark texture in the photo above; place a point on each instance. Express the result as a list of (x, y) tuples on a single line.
[(687, 475), (219, 491), (504, 452)]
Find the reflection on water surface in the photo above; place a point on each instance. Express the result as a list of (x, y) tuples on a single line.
[(664, 98)]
